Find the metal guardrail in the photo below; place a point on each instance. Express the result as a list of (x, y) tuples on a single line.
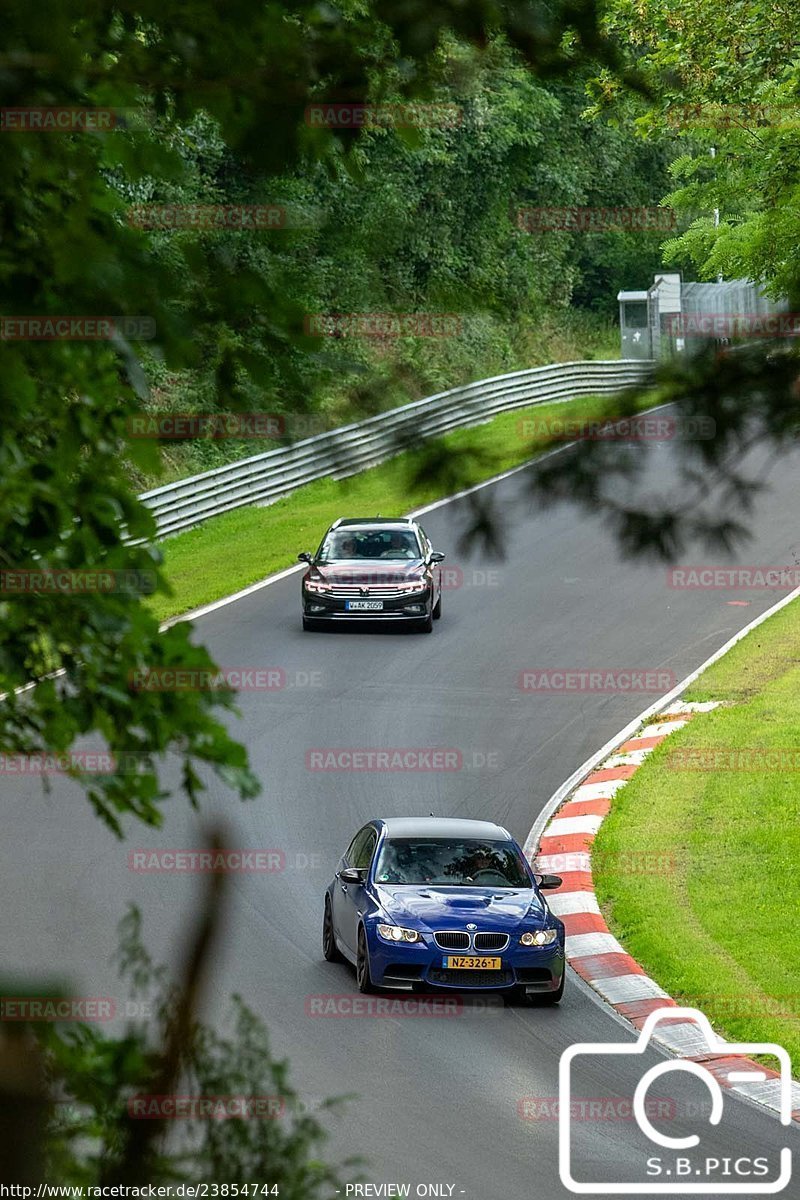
[(342, 452)]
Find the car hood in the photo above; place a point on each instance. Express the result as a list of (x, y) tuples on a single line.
[(451, 908), (369, 570)]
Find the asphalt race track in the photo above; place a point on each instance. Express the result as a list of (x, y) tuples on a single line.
[(437, 1098)]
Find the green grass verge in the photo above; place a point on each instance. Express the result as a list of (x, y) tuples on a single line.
[(718, 929), (229, 552)]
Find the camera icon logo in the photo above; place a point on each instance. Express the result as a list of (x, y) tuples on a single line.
[(679, 1172)]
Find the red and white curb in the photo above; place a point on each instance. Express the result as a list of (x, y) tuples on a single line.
[(564, 849)]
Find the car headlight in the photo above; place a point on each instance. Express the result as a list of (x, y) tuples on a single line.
[(541, 937), (396, 933), (403, 587), (316, 585)]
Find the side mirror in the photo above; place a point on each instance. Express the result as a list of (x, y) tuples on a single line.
[(437, 556), (546, 882), (305, 557), (352, 875)]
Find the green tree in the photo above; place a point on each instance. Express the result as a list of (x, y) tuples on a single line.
[(172, 76), (725, 82)]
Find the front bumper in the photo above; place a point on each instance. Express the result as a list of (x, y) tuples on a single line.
[(402, 966), (413, 606)]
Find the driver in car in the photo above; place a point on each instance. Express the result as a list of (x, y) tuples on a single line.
[(399, 547), (484, 863)]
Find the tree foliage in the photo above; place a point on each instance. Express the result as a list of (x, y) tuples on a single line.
[(207, 107), (725, 81), (723, 97)]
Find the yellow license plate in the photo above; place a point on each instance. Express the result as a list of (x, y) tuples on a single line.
[(472, 963)]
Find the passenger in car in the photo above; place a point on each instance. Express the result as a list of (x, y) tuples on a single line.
[(400, 546)]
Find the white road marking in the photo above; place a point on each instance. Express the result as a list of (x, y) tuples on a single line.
[(684, 1037), (598, 791), (578, 945), (769, 1093), (555, 864), (663, 729), (565, 903), (623, 989), (562, 826), (631, 758)]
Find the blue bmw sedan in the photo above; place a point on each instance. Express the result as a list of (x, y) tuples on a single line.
[(429, 902)]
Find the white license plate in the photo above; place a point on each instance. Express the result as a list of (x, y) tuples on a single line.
[(364, 605)]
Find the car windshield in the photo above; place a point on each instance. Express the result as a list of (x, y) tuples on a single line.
[(460, 862), (398, 545)]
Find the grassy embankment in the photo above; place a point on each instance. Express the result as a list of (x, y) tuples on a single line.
[(381, 376), (719, 930)]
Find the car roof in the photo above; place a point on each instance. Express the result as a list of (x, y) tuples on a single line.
[(443, 827), (350, 522)]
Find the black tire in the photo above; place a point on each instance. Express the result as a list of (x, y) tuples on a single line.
[(546, 999), (437, 608), (328, 940), (363, 977)]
